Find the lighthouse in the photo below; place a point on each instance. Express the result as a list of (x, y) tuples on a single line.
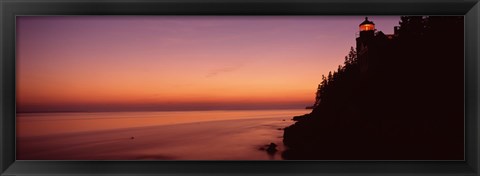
[(366, 38), (367, 32), (371, 42)]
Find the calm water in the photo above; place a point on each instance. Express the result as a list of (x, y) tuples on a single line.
[(167, 135)]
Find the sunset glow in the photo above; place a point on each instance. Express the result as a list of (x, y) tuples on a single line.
[(178, 63)]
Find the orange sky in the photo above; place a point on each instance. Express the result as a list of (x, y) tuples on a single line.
[(177, 63)]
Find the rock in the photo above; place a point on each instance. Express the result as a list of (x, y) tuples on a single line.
[(301, 117), (272, 148)]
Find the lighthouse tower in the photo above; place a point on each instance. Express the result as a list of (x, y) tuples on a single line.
[(366, 38), (367, 32)]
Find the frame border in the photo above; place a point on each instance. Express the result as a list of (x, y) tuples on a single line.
[(9, 9)]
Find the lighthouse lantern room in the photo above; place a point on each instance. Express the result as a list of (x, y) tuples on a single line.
[(367, 25)]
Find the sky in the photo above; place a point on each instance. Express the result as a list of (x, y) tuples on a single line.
[(136, 63)]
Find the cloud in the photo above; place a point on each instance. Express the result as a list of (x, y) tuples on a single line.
[(217, 71)]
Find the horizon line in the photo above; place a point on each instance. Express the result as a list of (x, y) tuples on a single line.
[(156, 110)]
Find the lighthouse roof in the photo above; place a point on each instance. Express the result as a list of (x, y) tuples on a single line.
[(366, 22)]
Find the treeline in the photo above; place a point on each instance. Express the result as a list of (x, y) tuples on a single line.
[(401, 100), (332, 82)]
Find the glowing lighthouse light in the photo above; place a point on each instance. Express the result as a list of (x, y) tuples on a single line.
[(367, 25)]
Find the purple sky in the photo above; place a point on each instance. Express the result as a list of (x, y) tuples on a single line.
[(90, 62)]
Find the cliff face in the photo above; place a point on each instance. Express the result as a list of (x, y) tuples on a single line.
[(403, 99)]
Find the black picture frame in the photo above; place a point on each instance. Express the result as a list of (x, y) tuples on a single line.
[(9, 9)]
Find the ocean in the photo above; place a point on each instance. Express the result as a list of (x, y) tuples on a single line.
[(158, 135)]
